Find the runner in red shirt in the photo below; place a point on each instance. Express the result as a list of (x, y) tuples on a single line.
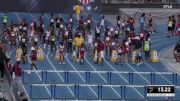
[(132, 22), (82, 54), (178, 28), (33, 58)]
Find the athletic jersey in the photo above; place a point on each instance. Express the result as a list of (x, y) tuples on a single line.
[(48, 33), (82, 52), (52, 20), (131, 21), (53, 38), (146, 46), (34, 56), (170, 23), (61, 48), (102, 22), (178, 27), (142, 19), (78, 41), (24, 26), (90, 39), (5, 19), (142, 36), (120, 50), (70, 20), (98, 30), (89, 21)]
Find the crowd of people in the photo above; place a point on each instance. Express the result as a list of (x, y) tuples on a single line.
[(80, 37)]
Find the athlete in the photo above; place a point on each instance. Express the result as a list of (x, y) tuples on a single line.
[(170, 27), (61, 53)]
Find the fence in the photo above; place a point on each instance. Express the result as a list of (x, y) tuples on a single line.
[(88, 75), (77, 89)]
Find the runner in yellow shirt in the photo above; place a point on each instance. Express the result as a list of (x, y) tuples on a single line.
[(78, 42)]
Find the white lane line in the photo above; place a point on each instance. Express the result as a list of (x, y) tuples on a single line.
[(120, 74), (54, 67), (40, 78), (80, 75), (10, 56), (101, 76), (57, 72)]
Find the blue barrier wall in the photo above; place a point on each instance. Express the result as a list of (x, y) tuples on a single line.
[(49, 6)]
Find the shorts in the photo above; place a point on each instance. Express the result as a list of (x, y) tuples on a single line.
[(173, 27), (170, 29), (177, 54), (119, 55)]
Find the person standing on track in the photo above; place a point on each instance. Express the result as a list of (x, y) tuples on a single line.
[(2, 63), (177, 52), (147, 45), (142, 20), (178, 28), (173, 25), (61, 53), (100, 52), (170, 27), (78, 42), (33, 58)]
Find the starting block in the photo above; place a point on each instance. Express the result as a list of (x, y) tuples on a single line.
[(19, 53), (114, 56), (40, 55)]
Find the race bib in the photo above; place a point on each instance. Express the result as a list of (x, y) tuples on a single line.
[(12, 34), (23, 40), (97, 30), (123, 24), (119, 50), (116, 32), (141, 35), (36, 39), (107, 38), (70, 20), (111, 29), (61, 25), (24, 28), (53, 39), (66, 33), (128, 29), (89, 21), (119, 22), (52, 20)]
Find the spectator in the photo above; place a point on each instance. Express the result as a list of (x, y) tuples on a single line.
[(177, 52), (17, 73), (100, 51), (2, 65)]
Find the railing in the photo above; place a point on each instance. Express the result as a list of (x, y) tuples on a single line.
[(123, 91), (108, 76), (13, 88)]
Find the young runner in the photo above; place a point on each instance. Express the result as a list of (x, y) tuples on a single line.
[(61, 53)]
